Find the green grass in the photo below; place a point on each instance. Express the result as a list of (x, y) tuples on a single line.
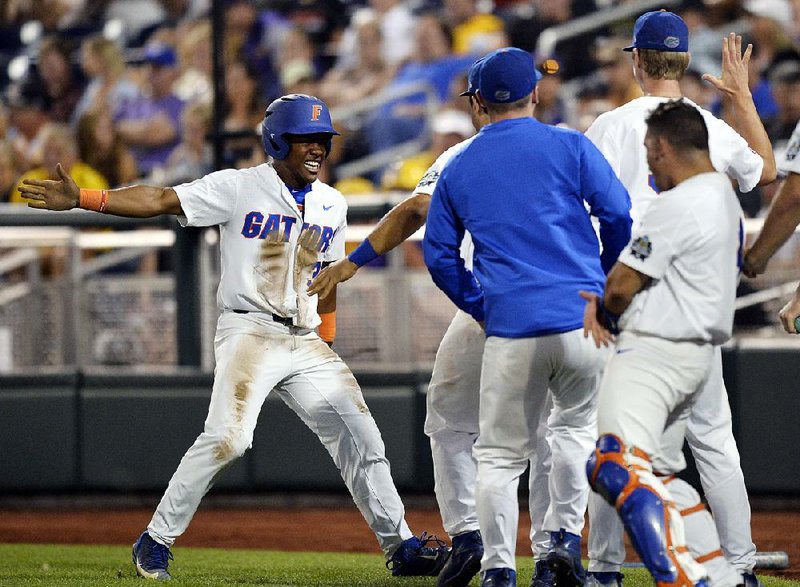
[(22, 565)]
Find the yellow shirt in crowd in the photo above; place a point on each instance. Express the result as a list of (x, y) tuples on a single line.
[(83, 174)]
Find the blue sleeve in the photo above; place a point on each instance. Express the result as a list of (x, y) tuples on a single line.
[(608, 200), (443, 235)]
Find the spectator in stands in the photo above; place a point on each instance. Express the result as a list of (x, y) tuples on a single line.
[(296, 61), (103, 63), (397, 24), (8, 172), (433, 66), (366, 76), (150, 124), (194, 58), (784, 80), (449, 127), (244, 111), (28, 120), (193, 157), (768, 21), (255, 36), (63, 85), (574, 52), (616, 71), (695, 89), (552, 107), (100, 146), (474, 32), (60, 146)]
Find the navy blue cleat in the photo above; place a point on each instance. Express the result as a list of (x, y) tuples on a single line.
[(464, 562), (499, 578), (564, 559), (151, 558), (750, 580), (604, 579), (419, 557), (542, 575)]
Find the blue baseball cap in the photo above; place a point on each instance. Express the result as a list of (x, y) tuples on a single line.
[(160, 54), (661, 31), (472, 78), (506, 75)]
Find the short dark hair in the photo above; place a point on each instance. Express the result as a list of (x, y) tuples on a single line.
[(680, 123), (498, 108)]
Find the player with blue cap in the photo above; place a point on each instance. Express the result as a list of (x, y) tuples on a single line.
[(521, 189)]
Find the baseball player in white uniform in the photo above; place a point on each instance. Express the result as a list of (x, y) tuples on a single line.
[(780, 222), (660, 57), (674, 287), (278, 225), (453, 394)]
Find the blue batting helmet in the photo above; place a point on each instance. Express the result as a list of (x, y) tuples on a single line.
[(295, 114)]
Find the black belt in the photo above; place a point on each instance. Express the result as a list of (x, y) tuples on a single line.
[(275, 318)]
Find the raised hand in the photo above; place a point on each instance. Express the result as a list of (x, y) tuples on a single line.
[(48, 194), (735, 75), (332, 275)]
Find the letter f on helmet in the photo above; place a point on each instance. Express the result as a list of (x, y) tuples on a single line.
[(290, 115)]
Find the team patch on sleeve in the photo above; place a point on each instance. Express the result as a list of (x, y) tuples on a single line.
[(641, 248), (431, 177), (794, 148)]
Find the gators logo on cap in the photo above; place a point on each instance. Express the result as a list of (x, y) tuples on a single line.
[(316, 110), (672, 42)]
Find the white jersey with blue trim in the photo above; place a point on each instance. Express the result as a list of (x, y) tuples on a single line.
[(694, 263), (428, 183), (269, 249), (789, 161), (619, 134)]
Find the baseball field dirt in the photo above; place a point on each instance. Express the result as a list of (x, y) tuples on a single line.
[(309, 523)]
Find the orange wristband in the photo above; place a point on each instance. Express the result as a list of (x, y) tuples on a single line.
[(96, 200), (327, 330)]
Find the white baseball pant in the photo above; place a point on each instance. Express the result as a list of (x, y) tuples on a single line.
[(255, 356), (709, 433), (646, 397), (514, 383), (451, 423)]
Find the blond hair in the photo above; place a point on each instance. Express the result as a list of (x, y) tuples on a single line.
[(108, 53), (663, 64)]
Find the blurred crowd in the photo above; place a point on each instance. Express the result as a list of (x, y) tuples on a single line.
[(121, 91)]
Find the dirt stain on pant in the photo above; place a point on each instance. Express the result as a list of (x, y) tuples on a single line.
[(242, 373)]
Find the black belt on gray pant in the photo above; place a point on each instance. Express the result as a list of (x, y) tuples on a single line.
[(275, 318)]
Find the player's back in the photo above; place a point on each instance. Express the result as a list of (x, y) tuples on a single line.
[(518, 190), (619, 134)]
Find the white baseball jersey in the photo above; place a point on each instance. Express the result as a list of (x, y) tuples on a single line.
[(428, 183), (619, 134), (694, 263), (269, 249), (790, 162)]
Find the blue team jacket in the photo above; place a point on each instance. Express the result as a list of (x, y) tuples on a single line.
[(521, 188)]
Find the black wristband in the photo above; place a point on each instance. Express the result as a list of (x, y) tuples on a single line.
[(608, 318)]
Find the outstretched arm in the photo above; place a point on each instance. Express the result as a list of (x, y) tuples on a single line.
[(138, 201), (782, 218), (737, 99), (395, 227)]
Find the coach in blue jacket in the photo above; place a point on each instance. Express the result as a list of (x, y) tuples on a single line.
[(521, 188)]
